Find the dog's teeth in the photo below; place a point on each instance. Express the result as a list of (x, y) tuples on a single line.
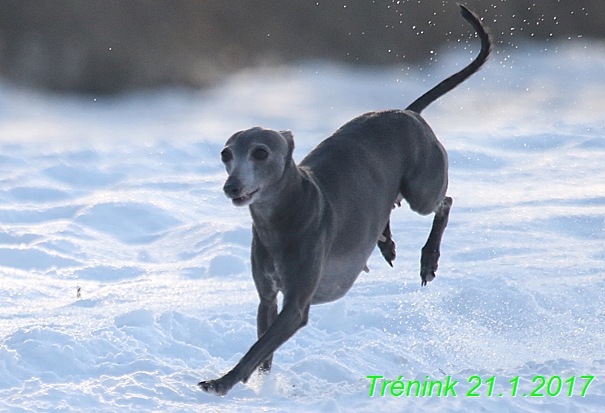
[(382, 238)]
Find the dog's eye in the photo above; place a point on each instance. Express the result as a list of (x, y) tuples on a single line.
[(226, 155), (260, 154)]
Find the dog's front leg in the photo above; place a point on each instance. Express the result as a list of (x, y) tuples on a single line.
[(267, 312), (264, 275), (300, 279), (288, 321)]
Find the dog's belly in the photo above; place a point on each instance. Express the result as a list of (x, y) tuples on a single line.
[(359, 225), (338, 276)]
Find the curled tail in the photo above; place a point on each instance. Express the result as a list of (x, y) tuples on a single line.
[(451, 82)]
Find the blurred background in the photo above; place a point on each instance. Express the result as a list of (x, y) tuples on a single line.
[(110, 46)]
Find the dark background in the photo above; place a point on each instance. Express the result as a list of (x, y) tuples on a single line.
[(115, 45)]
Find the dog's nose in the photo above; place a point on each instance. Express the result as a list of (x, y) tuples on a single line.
[(231, 188)]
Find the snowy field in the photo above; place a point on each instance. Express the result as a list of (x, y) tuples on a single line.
[(125, 272)]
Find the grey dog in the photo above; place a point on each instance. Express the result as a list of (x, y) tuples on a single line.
[(316, 224)]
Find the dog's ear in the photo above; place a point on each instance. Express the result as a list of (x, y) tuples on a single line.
[(290, 139)]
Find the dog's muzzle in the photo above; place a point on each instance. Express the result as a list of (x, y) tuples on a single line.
[(233, 190)]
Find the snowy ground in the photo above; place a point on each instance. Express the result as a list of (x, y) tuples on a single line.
[(121, 198)]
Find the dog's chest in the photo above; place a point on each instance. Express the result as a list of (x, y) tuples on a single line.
[(275, 280)]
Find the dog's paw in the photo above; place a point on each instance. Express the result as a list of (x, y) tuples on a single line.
[(219, 387), (426, 276), (387, 248), (429, 262), (265, 367)]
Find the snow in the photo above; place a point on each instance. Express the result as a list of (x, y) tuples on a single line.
[(120, 199)]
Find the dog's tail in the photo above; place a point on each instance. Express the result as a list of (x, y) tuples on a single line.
[(451, 82)]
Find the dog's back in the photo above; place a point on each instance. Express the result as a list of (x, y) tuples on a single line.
[(388, 152)]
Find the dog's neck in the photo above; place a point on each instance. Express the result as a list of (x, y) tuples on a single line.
[(283, 209)]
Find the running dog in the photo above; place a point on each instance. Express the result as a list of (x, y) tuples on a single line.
[(314, 225)]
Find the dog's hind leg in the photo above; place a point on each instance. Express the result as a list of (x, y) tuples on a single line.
[(387, 245), (385, 241), (431, 250)]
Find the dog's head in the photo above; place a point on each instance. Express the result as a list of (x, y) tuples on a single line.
[(255, 160)]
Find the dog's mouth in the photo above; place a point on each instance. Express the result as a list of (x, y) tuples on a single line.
[(244, 199)]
